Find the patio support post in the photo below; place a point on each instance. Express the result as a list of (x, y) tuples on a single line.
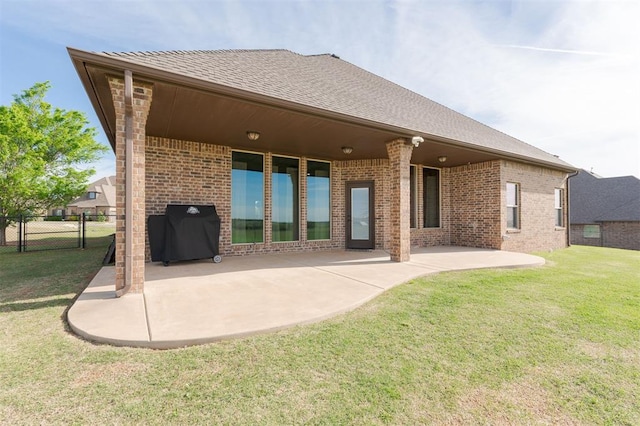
[(399, 152), (131, 101)]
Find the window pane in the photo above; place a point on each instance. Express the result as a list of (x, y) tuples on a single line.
[(360, 213), (247, 198), (431, 183), (284, 199), (591, 231), (318, 201), (512, 217), (512, 194), (558, 204)]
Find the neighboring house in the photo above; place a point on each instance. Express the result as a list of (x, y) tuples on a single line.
[(99, 199), (304, 153), (605, 212)]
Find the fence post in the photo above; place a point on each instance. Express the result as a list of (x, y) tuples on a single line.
[(83, 231), (20, 234)]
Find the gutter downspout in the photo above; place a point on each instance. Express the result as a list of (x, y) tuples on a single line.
[(569, 207), (128, 192)]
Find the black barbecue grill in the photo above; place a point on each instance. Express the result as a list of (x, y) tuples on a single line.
[(184, 232)]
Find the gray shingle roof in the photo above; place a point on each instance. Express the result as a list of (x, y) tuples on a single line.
[(595, 199), (329, 83)]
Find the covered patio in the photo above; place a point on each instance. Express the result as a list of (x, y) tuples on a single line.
[(191, 303)]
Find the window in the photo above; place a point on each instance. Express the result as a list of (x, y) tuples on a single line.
[(431, 197), (413, 187), (92, 195), (247, 198), (318, 201), (284, 199), (591, 231), (559, 206), (513, 211)]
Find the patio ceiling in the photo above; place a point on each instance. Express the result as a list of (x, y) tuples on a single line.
[(190, 110)]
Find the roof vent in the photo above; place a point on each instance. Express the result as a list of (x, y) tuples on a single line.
[(333, 55)]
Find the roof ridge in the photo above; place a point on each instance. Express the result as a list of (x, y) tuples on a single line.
[(189, 52)]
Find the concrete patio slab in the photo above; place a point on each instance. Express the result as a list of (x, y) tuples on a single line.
[(197, 302)]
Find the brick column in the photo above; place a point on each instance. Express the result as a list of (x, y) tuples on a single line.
[(399, 212), (142, 94)]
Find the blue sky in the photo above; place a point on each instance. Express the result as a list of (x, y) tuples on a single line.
[(560, 75)]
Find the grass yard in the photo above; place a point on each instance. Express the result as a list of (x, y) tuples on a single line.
[(559, 344)]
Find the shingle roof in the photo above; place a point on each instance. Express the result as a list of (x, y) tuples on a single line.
[(595, 199), (329, 83), (105, 194)]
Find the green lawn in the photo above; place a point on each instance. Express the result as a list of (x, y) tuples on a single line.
[(558, 344)]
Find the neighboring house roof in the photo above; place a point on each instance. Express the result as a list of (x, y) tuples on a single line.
[(328, 83), (105, 194), (595, 199)]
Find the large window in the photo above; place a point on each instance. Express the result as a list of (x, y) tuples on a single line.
[(318, 201), (247, 198), (513, 210), (431, 192), (284, 199), (559, 206)]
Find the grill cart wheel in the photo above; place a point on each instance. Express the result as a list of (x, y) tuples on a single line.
[(217, 258)]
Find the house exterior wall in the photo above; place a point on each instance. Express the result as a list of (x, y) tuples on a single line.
[(623, 235), (472, 199), (475, 205), (577, 236), (537, 210)]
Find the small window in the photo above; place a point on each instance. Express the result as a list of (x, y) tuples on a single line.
[(513, 209), (591, 231), (559, 206), (92, 195)]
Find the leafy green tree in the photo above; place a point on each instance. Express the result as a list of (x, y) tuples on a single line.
[(40, 150)]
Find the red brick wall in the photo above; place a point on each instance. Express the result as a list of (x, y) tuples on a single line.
[(360, 170), (473, 211), (537, 210), (142, 95), (475, 203)]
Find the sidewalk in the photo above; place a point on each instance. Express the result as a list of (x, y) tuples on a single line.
[(190, 303)]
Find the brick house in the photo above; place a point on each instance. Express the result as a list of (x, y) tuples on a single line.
[(302, 153), (605, 212), (100, 198)]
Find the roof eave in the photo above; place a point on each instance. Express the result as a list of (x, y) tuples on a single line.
[(114, 65)]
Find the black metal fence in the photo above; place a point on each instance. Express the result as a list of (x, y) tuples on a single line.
[(34, 233)]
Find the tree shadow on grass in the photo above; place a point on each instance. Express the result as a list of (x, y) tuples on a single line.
[(26, 306)]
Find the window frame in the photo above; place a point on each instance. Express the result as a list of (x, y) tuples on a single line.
[(298, 238), (515, 207), (264, 195), (424, 198), (558, 204), (306, 195)]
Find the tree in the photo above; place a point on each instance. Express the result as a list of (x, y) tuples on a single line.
[(40, 150)]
